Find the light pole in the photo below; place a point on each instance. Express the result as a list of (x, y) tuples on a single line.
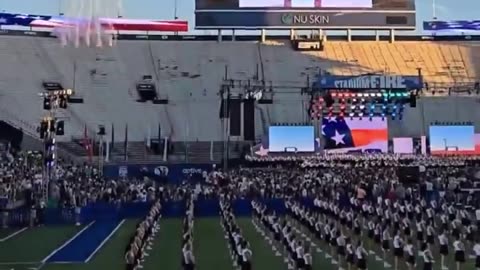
[(50, 127)]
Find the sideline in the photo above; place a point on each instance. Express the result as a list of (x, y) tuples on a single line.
[(105, 240), (66, 243), (13, 234)]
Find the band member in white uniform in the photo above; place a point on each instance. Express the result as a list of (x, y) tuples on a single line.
[(361, 255), (420, 226), (430, 234), (130, 259), (385, 241), (307, 258), (340, 247), (459, 248), (443, 241), (427, 258), (299, 252), (476, 251), (397, 248), (350, 253), (246, 257), (410, 254), (188, 257)]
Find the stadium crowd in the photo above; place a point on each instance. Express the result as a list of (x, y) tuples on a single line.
[(21, 177), (358, 204), (364, 204)]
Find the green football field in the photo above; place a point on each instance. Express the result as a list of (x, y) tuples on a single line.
[(27, 249)]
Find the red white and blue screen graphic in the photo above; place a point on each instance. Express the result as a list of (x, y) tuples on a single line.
[(307, 3), (343, 135), (291, 139), (452, 140)]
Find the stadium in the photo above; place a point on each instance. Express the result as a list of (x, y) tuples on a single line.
[(267, 134)]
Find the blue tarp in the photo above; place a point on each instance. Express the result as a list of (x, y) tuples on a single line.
[(84, 245), (103, 212)]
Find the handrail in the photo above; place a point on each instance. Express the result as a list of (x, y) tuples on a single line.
[(157, 80), (13, 120)]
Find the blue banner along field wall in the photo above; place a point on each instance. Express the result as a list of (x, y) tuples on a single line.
[(174, 173), (104, 212)]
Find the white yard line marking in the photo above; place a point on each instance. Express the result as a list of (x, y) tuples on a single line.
[(270, 242), (13, 234), (105, 240), (66, 243)]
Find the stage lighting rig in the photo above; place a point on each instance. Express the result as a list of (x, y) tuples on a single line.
[(56, 99), (362, 103)]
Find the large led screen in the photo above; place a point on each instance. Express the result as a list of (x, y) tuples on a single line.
[(316, 4), (452, 140), (355, 134), (291, 138), (305, 14), (403, 145), (307, 3)]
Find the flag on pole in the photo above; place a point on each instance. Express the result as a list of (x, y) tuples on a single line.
[(125, 144), (107, 151), (149, 143), (159, 138), (112, 141)]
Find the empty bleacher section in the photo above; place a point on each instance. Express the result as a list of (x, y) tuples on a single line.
[(441, 62), (189, 74)]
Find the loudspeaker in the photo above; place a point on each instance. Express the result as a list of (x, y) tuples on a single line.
[(60, 128), (101, 130)]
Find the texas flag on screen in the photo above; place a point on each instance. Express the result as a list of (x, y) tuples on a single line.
[(355, 134)]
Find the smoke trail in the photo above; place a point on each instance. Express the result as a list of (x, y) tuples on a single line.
[(85, 26)]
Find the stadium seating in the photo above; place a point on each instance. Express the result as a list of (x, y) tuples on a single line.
[(189, 75), (440, 62)]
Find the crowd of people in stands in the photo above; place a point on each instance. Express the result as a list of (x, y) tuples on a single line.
[(21, 180), (360, 204)]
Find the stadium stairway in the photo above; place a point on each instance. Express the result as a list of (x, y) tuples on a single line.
[(83, 246)]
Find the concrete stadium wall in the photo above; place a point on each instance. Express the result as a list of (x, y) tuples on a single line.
[(416, 121)]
